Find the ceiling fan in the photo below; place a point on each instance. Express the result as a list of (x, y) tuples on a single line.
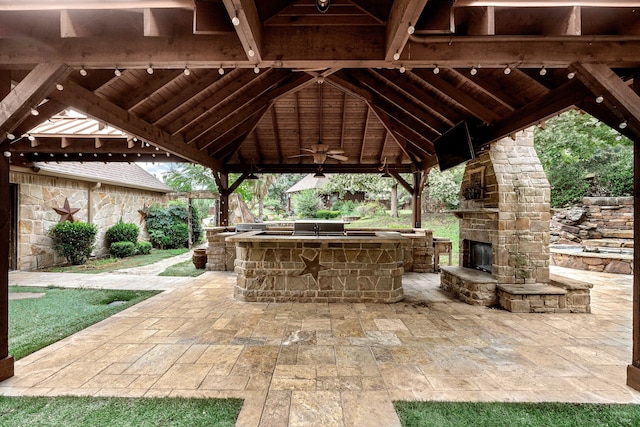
[(321, 151)]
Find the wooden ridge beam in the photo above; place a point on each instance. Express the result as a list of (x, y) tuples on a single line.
[(101, 109), (326, 168), (36, 86)]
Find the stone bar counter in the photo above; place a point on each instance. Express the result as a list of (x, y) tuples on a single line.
[(277, 266)]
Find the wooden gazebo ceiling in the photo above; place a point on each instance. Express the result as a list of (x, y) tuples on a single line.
[(352, 77)]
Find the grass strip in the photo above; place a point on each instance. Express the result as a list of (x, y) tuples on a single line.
[(36, 323), (105, 265), (182, 269), (499, 414), (117, 412)]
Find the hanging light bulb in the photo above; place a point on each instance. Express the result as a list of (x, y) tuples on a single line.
[(59, 87), (251, 53), (117, 72), (507, 70), (473, 71), (571, 75), (235, 21), (256, 69), (323, 5), (83, 72), (600, 99), (411, 29), (402, 69), (543, 71), (186, 71), (150, 69), (436, 70), (221, 70), (396, 56), (623, 125), (31, 138), (10, 136)]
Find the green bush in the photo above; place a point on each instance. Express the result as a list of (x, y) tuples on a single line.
[(168, 227), (326, 214), (73, 240), (370, 209), (122, 232), (306, 203), (143, 248), (346, 207), (122, 249)]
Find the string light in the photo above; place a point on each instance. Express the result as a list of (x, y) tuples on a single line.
[(436, 70), (507, 70), (402, 69), (396, 56), (83, 72), (150, 69), (235, 21), (186, 71), (571, 75), (251, 53), (600, 99), (411, 29), (59, 87), (10, 136), (117, 72), (221, 70), (623, 125), (256, 69), (473, 71), (543, 71)]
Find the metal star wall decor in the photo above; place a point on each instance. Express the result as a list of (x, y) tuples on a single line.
[(66, 212), (312, 266)]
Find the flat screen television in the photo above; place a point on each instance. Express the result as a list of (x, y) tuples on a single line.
[(454, 147)]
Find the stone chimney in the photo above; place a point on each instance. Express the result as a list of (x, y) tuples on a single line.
[(504, 202)]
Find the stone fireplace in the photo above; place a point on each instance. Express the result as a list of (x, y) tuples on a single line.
[(504, 231)]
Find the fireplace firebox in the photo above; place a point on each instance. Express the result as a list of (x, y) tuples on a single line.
[(480, 256)]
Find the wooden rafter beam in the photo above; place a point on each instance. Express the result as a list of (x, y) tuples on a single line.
[(154, 83), (41, 81), (236, 81), (326, 168), (602, 81), (245, 96), (465, 100), (86, 146), (99, 108), (240, 115), (365, 130), (404, 13), (248, 28), (555, 102), (46, 110)]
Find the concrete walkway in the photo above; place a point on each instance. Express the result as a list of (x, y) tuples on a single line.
[(336, 364)]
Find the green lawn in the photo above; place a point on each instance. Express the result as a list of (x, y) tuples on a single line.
[(182, 269), (117, 412), (38, 322), (492, 414), (105, 265)]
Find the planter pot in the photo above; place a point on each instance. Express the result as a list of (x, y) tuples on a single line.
[(199, 258)]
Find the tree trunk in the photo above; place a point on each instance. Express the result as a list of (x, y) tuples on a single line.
[(394, 201)]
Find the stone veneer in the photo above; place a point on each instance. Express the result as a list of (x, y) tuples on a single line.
[(417, 249), (510, 210), (318, 269), (38, 194)]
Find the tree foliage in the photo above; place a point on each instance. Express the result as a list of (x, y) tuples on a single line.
[(584, 157), (444, 187)]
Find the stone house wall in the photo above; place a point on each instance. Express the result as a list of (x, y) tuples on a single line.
[(101, 205)]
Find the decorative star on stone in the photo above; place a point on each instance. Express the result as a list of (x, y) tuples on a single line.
[(144, 212), (66, 212), (312, 266)]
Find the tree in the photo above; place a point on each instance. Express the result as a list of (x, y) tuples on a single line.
[(573, 147), (444, 187), (259, 189)]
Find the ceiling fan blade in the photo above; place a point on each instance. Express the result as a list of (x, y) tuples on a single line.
[(319, 148), (300, 155), (335, 152), (307, 150), (338, 157)]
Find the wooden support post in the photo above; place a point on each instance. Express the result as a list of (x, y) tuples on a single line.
[(633, 370), (190, 221), (224, 199), (416, 200), (6, 361)]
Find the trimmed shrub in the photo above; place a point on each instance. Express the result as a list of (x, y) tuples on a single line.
[(74, 240), (306, 203), (143, 248), (168, 227), (122, 249), (123, 232), (327, 214)]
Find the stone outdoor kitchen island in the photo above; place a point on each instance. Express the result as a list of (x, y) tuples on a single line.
[(281, 267)]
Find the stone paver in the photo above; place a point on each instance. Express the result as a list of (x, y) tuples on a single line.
[(337, 364)]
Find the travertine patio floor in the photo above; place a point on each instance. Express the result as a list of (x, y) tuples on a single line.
[(337, 364)]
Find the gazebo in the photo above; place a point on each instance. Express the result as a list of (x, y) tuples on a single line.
[(245, 86)]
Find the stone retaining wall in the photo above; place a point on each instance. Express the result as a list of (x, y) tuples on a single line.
[(593, 261)]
